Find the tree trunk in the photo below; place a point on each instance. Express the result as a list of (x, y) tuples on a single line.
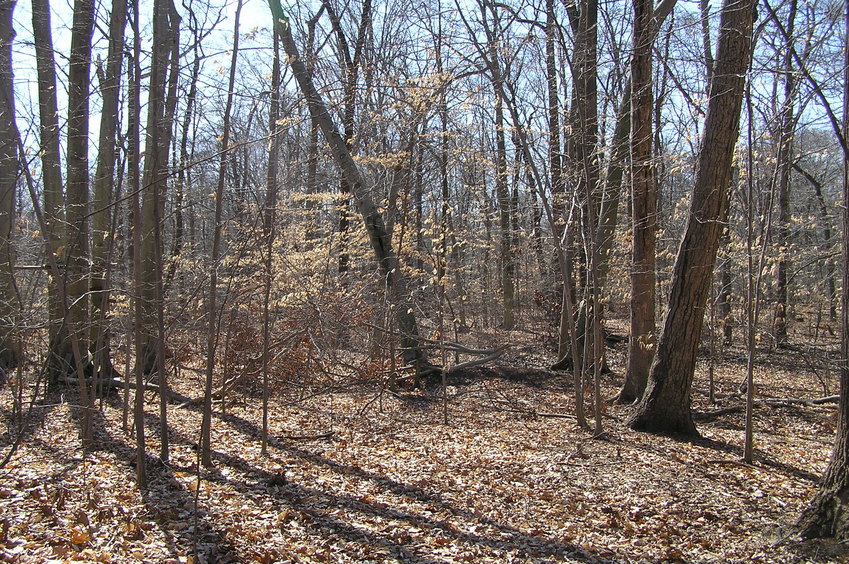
[(104, 184), (155, 178), (218, 227), (77, 193), (268, 228), (51, 179), (644, 210), (134, 177), (9, 169), (665, 406), (787, 124), (502, 195)]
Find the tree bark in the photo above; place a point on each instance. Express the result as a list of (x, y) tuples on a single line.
[(787, 124), (51, 179), (77, 192), (104, 184), (155, 178), (665, 406), (9, 168), (828, 513), (644, 210)]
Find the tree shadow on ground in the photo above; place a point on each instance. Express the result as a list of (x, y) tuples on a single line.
[(503, 537), (204, 540), (759, 456)]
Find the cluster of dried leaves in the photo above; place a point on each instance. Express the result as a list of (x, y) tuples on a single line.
[(359, 474)]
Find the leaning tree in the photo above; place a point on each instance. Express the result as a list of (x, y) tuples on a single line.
[(665, 405)]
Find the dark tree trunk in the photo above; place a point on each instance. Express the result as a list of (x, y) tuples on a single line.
[(644, 210), (9, 169), (51, 178), (665, 406)]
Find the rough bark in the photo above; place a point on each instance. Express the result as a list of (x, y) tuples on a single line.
[(77, 192), (665, 406)]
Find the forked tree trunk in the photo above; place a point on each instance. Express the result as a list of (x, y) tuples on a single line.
[(104, 184), (665, 406)]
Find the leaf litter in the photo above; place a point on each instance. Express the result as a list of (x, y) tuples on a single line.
[(359, 474)]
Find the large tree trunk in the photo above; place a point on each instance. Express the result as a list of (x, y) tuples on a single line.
[(644, 210), (665, 406), (9, 168), (155, 178), (608, 215), (380, 241)]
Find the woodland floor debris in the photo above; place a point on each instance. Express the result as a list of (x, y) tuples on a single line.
[(355, 476)]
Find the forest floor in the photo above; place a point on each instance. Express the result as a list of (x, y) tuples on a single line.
[(356, 475)]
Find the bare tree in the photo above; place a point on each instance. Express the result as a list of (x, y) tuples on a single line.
[(665, 406), (218, 227), (381, 243), (644, 208)]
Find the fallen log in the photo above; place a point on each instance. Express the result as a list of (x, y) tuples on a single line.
[(772, 402)]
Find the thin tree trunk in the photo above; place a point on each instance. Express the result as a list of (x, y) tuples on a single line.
[(787, 123), (212, 299), (134, 174), (268, 228)]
